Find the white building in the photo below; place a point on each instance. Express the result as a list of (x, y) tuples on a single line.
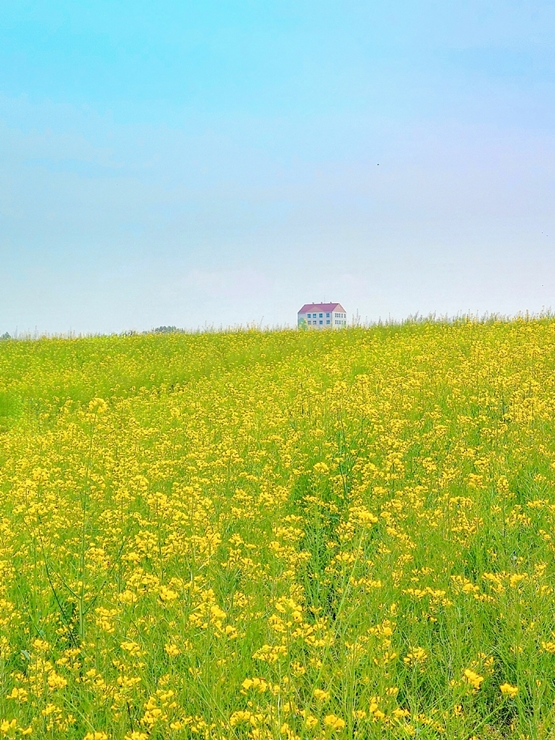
[(322, 316)]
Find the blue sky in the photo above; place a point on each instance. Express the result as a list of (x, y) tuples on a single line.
[(221, 163)]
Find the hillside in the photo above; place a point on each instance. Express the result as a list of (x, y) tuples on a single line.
[(279, 535)]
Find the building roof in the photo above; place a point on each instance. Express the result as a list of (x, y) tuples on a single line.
[(322, 307)]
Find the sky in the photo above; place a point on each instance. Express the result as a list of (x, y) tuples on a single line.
[(220, 163)]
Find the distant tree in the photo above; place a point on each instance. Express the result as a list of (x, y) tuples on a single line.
[(5, 336), (166, 330)]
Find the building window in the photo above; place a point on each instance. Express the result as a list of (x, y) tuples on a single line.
[(328, 321), (321, 321), (321, 315), (327, 315)]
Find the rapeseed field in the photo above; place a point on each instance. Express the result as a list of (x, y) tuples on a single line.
[(297, 535)]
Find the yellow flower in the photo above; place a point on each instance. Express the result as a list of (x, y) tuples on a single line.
[(321, 695), (98, 406), (310, 721), (239, 717), (257, 684), (415, 656), (55, 681), (19, 694), (321, 468), (131, 647), (336, 723), (508, 690), (167, 594), (474, 679)]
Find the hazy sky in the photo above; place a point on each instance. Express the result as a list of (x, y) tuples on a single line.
[(223, 162)]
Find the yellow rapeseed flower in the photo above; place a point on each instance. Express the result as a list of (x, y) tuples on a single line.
[(508, 690), (334, 722), (321, 695), (473, 678)]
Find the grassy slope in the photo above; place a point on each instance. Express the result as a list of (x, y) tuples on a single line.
[(279, 534)]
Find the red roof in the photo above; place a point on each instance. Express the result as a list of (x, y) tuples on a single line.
[(323, 307)]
